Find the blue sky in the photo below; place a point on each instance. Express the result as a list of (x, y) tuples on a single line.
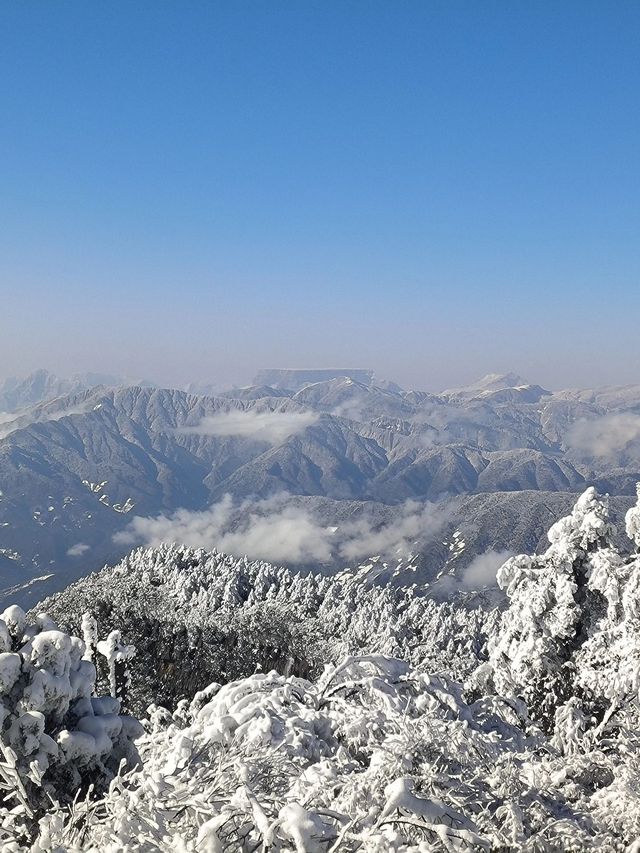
[(433, 189)]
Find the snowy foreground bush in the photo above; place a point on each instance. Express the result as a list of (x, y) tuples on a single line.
[(538, 749), (58, 737)]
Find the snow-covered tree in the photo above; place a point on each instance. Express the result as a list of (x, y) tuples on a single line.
[(196, 616), (554, 607), (569, 642), (57, 737)]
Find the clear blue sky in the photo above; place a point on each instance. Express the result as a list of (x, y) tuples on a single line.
[(433, 189)]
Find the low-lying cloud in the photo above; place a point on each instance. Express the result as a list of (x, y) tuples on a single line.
[(280, 530), (415, 521), (481, 571), (271, 427), (78, 550), (615, 434)]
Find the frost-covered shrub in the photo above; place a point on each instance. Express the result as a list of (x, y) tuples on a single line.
[(372, 756), (57, 737)]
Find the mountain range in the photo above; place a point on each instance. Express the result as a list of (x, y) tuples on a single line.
[(89, 465)]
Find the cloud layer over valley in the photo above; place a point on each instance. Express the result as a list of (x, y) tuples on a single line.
[(270, 427), (616, 434), (282, 531)]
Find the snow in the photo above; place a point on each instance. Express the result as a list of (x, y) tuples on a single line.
[(10, 670), (632, 522), (537, 749)]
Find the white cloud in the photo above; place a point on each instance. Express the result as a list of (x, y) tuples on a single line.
[(610, 435), (281, 531), (269, 529), (271, 427), (482, 570), (353, 410), (362, 539), (78, 550), (427, 440)]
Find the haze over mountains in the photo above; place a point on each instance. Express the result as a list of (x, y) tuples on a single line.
[(323, 473), (39, 386)]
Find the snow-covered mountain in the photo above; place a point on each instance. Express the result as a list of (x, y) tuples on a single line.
[(489, 383), (296, 379), (500, 388), (85, 475)]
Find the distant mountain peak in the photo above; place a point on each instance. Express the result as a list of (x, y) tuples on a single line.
[(499, 381), (294, 379), (492, 382), (500, 387)]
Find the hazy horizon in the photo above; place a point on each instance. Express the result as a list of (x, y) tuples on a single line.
[(467, 378), (436, 191)]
